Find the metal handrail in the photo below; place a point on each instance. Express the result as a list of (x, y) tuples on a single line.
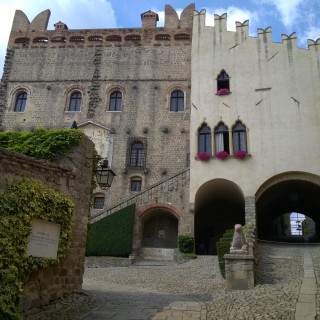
[(134, 199)]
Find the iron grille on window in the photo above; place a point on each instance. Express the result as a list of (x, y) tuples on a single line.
[(98, 203), (136, 185), (136, 153)]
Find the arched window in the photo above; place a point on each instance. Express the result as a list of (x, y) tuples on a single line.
[(239, 137), (75, 101), (21, 100), (115, 101), (223, 81), (221, 138), (177, 101), (204, 139), (135, 184), (137, 154)]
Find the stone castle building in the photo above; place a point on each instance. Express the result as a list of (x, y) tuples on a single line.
[(204, 127)]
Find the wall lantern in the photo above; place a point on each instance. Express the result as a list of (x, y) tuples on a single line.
[(104, 175)]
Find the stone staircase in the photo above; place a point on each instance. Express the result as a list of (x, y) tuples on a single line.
[(162, 191)]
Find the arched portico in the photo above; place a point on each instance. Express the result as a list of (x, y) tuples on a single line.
[(219, 205), (283, 194)]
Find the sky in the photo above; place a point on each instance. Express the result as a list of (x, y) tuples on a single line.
[(284, 16)]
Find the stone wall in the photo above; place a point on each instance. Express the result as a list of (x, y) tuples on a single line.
[(71, 176), (146, 64)]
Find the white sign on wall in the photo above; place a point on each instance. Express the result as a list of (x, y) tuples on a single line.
[(44, 239)]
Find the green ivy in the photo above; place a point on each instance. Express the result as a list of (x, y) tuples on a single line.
[(20, 203), (41, 143)]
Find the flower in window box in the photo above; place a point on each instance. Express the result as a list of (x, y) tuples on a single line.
[(222, 155), (240, 154), (204, 156), (223, 91)]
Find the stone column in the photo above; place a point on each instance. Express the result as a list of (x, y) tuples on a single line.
[(250, 208)]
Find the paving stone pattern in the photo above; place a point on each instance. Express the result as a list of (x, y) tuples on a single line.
[(189, 290)]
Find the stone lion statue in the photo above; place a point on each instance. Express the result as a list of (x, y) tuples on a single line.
[(239, 243)]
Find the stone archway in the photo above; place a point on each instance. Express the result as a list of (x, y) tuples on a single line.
[(219, 205), (283, 194), (159, 231)]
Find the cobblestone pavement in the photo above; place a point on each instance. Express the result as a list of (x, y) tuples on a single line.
[(191, 290)]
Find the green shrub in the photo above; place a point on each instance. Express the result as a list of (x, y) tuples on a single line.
[(185, 243), (223, 247), (20, 203), (41, 143), (112, 235)]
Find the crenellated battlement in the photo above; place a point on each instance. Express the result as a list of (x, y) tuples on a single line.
[(32, 34), (242, 28)]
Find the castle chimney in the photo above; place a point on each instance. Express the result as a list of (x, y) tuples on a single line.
[(149, 19)]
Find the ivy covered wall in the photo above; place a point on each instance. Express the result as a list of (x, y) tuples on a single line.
[(70, 176)]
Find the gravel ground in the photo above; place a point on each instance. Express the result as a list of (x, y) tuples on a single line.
[(279, 279), (274, 297), (198, 276)]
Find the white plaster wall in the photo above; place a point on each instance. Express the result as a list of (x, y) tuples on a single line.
[(102, 139), (283, 121)]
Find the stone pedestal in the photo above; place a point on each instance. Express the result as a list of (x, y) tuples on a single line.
[(239, 271)]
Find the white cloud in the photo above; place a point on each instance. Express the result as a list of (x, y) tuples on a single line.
[(311, 33), (288, 10), (81, 14), (233, 14)]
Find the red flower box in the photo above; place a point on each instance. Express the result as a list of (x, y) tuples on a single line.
[(223, 91), (204, 156), (240, 154), (222, 155)]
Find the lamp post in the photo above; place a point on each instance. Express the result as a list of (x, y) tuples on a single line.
[(104, 175)]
